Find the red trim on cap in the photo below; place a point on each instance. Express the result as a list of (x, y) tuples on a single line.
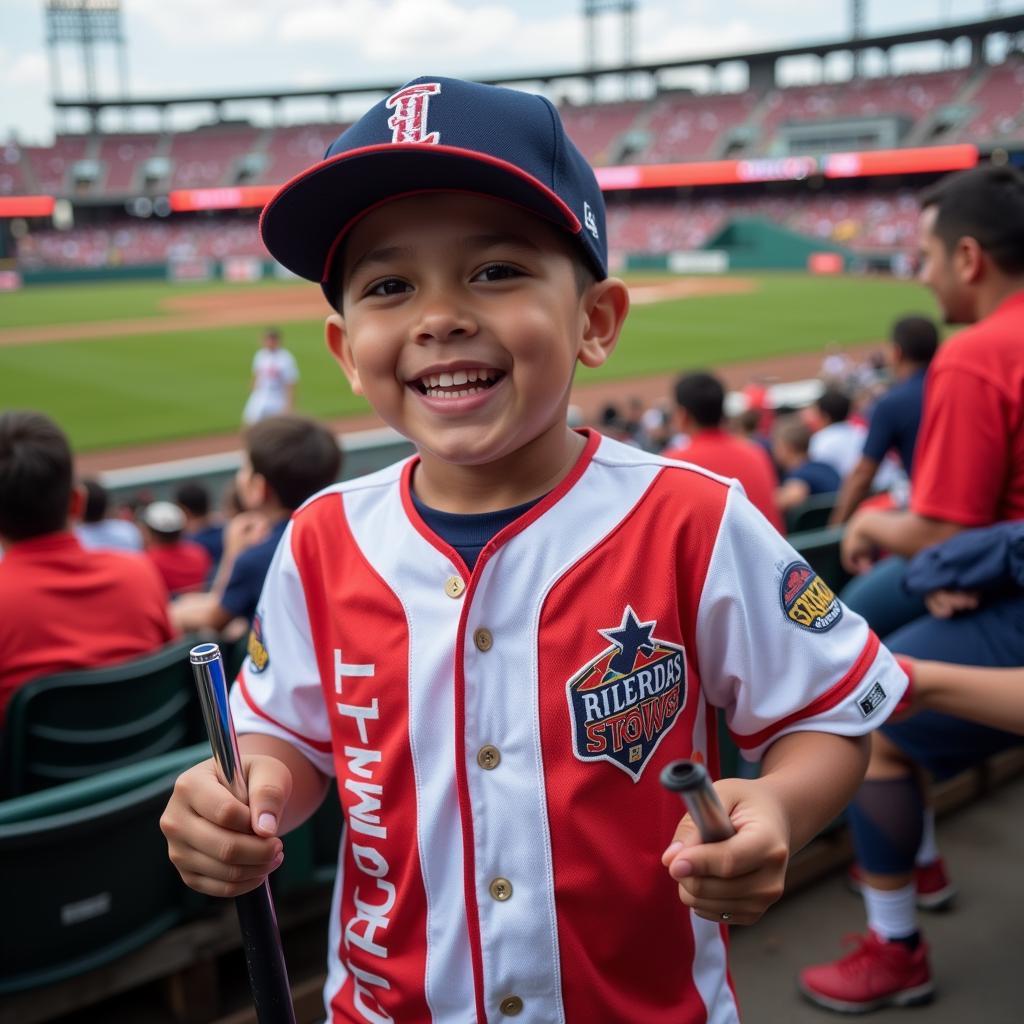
[(572, 220)]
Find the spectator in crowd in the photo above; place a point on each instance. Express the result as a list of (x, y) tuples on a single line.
[(287, 459), (62, 606), (274, 376), (200, 525), (969, 458), (700, 413), (968, 472), (838, 441), (183, 564), (897, 414), (802, 476), (95, 530)]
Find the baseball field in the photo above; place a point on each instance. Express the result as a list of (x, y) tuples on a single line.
[(130, 364)]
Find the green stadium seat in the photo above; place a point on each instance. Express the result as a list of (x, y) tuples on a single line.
[(68, 726), (820, 549), (86, 876), (813, 514)]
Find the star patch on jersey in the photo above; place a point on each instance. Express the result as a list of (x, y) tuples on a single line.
[(259, 656), (624, 701), (807, 599)]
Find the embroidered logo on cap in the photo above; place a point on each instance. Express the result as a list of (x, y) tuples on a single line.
[(624, 701), (589, 220), (408, 123)]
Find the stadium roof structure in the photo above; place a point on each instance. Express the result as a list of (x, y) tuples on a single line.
[(762, 62)]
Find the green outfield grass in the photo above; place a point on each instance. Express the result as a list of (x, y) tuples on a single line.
[(148, 387)]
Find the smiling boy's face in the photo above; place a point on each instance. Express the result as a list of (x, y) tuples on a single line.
[(462, 322)]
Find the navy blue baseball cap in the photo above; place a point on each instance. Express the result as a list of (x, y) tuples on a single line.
[(438, 134)]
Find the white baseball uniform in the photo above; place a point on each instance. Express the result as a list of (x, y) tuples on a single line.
[(497, 736), (274, 371)]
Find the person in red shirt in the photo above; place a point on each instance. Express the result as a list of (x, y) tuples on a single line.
[(968, 472), (62, 606), (184, 564), (700, 410)]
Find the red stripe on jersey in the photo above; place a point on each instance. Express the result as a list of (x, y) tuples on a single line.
[(324, 748), (629, 958), (353, 611), (828, 700)]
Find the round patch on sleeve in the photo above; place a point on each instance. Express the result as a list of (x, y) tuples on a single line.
[(259, 657), (807, 599)]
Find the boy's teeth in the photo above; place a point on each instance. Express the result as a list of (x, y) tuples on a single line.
[(471, 375), (460, 377)]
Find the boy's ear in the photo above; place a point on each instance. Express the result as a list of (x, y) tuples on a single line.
[(605, 305), (337, 344)]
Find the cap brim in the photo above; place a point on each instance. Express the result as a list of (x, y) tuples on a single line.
[(303, 223)]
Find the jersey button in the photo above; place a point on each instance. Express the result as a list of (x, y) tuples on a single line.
[(454, 586), (511, 1006), (501, 889), (483, 639), (488, 757)]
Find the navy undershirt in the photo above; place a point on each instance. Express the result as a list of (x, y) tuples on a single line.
[(469, 533)]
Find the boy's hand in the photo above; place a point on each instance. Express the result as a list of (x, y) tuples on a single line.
[(219, 846), (742, 876)]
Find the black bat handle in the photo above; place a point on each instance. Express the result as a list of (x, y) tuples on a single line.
[(264, 957)]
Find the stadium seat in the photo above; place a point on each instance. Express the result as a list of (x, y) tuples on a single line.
[(812, 514), (820, 548), (68, 726), (86, 874)]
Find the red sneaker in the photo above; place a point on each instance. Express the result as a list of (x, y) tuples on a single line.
[(874, 975), (935, 891)]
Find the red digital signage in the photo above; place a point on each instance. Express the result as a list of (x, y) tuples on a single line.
[(26, 206), (238, 198), (925, 160)]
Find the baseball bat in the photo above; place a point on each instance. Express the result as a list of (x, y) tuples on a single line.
[(264, 957), (690, 780)]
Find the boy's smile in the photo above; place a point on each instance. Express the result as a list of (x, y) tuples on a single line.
[(462, 321)]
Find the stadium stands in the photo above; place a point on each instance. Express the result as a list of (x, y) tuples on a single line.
[(294, 148), (208, 157), (51, 165), (13, 177), (596, 128), (998, 110), (121, 159), (691, 127)]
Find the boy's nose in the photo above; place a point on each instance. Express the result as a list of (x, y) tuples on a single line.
[(443, 317)]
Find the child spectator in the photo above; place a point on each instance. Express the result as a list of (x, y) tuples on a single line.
[(839, 440), (287, 458), (183, 564), (802, 476), (496, 645)]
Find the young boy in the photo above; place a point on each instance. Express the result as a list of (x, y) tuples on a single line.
[(497, 645)]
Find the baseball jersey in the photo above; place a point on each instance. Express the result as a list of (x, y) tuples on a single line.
[(497, 736), (273, 372)]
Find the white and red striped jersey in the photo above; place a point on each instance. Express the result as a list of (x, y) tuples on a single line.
[(497, 736)]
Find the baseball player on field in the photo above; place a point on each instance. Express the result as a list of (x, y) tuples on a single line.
[(274, 376), (496, 645)]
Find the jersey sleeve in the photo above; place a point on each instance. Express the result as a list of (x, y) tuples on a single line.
[(777, 650), (277, 692), (962, 454), (881, 432)]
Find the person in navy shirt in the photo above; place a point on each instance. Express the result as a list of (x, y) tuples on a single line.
[(803, 476), (897, 414), (287, 459)]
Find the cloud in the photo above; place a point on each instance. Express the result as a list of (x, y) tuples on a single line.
[(27, 70)]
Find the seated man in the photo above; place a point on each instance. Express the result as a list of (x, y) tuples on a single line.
[(700, 412), (200, 524), (803, 476), (896, 416), (839, 440), (287, 459), (62, 606)]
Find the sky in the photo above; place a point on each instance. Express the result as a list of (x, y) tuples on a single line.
[(182, 47)]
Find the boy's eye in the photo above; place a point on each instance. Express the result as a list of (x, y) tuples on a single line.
[(498, 272), (389, 286)]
